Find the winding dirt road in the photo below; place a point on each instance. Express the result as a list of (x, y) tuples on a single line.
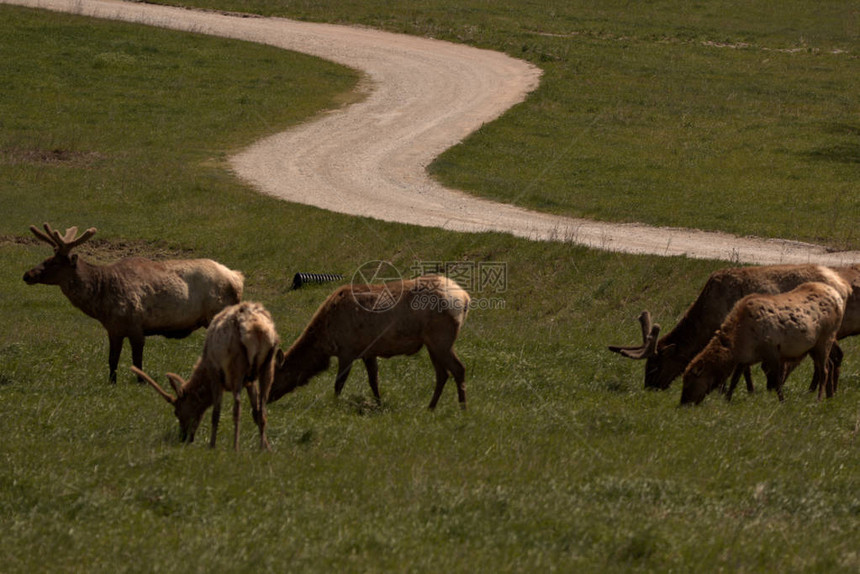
[(424, 96)]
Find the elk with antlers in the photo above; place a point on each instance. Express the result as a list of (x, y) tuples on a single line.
[(135, 297), (666, 358), (238, 353)]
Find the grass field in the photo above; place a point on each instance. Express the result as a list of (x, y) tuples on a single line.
[(562, 462)]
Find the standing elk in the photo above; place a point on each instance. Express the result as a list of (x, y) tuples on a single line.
[(238, 353), (667, 358), (770, 329), (370, 321), (135, 297)]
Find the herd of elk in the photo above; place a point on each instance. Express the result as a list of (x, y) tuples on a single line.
[(135, 298), (774, 315), (668, 357)]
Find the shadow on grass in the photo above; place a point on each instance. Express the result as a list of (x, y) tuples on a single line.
[(363, 406), (840, 153)]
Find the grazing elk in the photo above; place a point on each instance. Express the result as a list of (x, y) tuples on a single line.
[(770, 329), (238, 353), (370, 321), (666, 358), (137, 297)]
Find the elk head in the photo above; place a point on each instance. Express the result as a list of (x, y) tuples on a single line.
[(662, 364), (186, 409), (51, 270), (295, 369), (698, 382)]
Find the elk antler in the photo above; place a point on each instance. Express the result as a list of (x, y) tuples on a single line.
[(41, 235), (649, 340), (167, 397), (176, 382), (62, 244)]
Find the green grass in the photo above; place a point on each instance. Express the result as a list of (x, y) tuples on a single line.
[(563, 462), (730, 116)]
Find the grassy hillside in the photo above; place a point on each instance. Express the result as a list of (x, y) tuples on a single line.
[(562, 462), (720, 115)]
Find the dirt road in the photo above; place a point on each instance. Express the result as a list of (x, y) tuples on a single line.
[(423, 96)]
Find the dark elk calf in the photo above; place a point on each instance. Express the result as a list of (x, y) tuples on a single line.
[(135, 297), (238, 353)]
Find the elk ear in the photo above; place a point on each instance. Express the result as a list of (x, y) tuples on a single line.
[(280, 357), (154, 385)]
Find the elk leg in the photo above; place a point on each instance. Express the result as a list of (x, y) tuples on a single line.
[(774, 371), (834, 364), (372, 368), (216, 416), (343, 368), (827, 379), (736, 376), (446, 361), (834, 367), (237, 411), (258, 394), (785, 369), (258, 411), (831, 380), (836, 355), (137, 342), (748, 379), (459, 372), (817, 381), (441, 377), (264, 382), (822, 378), (115, 349)]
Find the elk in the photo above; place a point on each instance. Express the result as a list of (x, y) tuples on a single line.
[(238, 352), (379, 320), (770, 329), (135, 298), (667, 358)]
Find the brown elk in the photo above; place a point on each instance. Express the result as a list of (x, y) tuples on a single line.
[(370, 321), (666, 358), (238, 353), (770, 329), (135, 297)]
